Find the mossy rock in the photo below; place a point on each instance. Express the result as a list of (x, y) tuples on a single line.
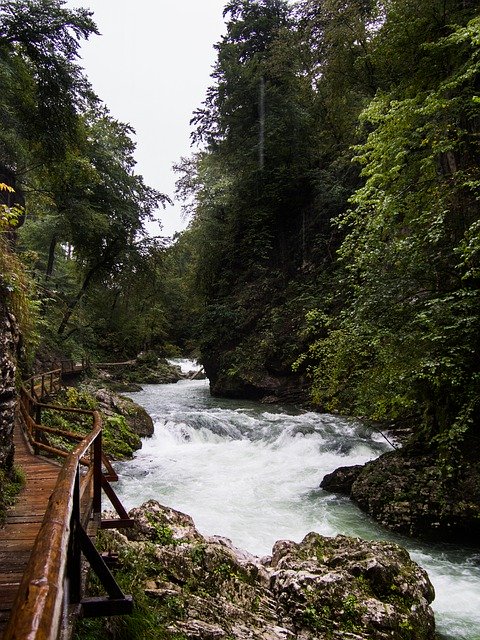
[(319, 589), (409, 491), (119, 440)]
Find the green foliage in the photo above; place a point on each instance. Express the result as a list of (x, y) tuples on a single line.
[(151, 617), (83, 238), (9, 216), (406, 342), (18, 292), (363, 275), (278, 122), (163, 533), (10, 486), (118, 439), (44, 87)]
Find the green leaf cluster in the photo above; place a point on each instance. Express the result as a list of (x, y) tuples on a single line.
[(405, 344)]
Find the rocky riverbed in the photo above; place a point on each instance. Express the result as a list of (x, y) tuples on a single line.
[(321, 588)]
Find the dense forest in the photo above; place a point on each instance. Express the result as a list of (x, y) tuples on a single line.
[(332, 255), (335, 227), (96, 280)]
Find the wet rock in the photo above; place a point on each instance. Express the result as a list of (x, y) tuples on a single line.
[(261, 386), (125, 387), (146, 368), (269, 385), (321, 588), (154, 521), (341, 480), (110, 403), (136, 416), (347, 584), (9, 347), (409, 492)]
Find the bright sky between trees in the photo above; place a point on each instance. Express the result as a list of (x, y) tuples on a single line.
[(151, 66)]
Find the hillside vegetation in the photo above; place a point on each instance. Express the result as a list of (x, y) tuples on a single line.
[(335, 226)]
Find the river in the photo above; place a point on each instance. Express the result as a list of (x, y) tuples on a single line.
[(251, 472)]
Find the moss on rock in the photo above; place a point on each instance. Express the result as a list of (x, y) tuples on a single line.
[(201, 588), (411, 492)]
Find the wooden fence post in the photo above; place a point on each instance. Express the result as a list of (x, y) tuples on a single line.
[(97, 475), (74, 567), (38, 414)]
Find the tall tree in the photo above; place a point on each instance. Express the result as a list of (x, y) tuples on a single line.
[(43, 86), (407, 341), (278, 124)]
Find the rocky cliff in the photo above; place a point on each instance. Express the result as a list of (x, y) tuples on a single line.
[(9, 340)]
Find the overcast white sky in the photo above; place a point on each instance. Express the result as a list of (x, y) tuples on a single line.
[(151, 66)]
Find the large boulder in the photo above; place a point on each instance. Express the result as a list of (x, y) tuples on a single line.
[(342, 585), (113, 404), (260, 385), (411, 492), (146, 368), (137, 418), (320, 588)]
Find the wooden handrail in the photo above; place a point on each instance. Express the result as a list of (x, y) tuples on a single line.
[(38, 608), (52, 579), (105, 365)]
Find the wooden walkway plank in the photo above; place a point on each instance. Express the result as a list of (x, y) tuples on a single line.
[(23, 521)]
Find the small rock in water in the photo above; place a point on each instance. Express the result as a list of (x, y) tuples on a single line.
[(319, 589)]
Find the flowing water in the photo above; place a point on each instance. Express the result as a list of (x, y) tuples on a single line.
[(251, 472)]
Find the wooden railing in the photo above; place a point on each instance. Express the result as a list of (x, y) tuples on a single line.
[(52, 583), (69, 367), (44, 384)]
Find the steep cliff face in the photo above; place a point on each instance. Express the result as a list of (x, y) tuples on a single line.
[(9, 340), (250, 340)]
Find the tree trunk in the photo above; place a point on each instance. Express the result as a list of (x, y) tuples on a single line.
[(73, 303), (51, 258)]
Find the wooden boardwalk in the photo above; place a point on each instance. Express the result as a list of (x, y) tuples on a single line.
[(23, 521)]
